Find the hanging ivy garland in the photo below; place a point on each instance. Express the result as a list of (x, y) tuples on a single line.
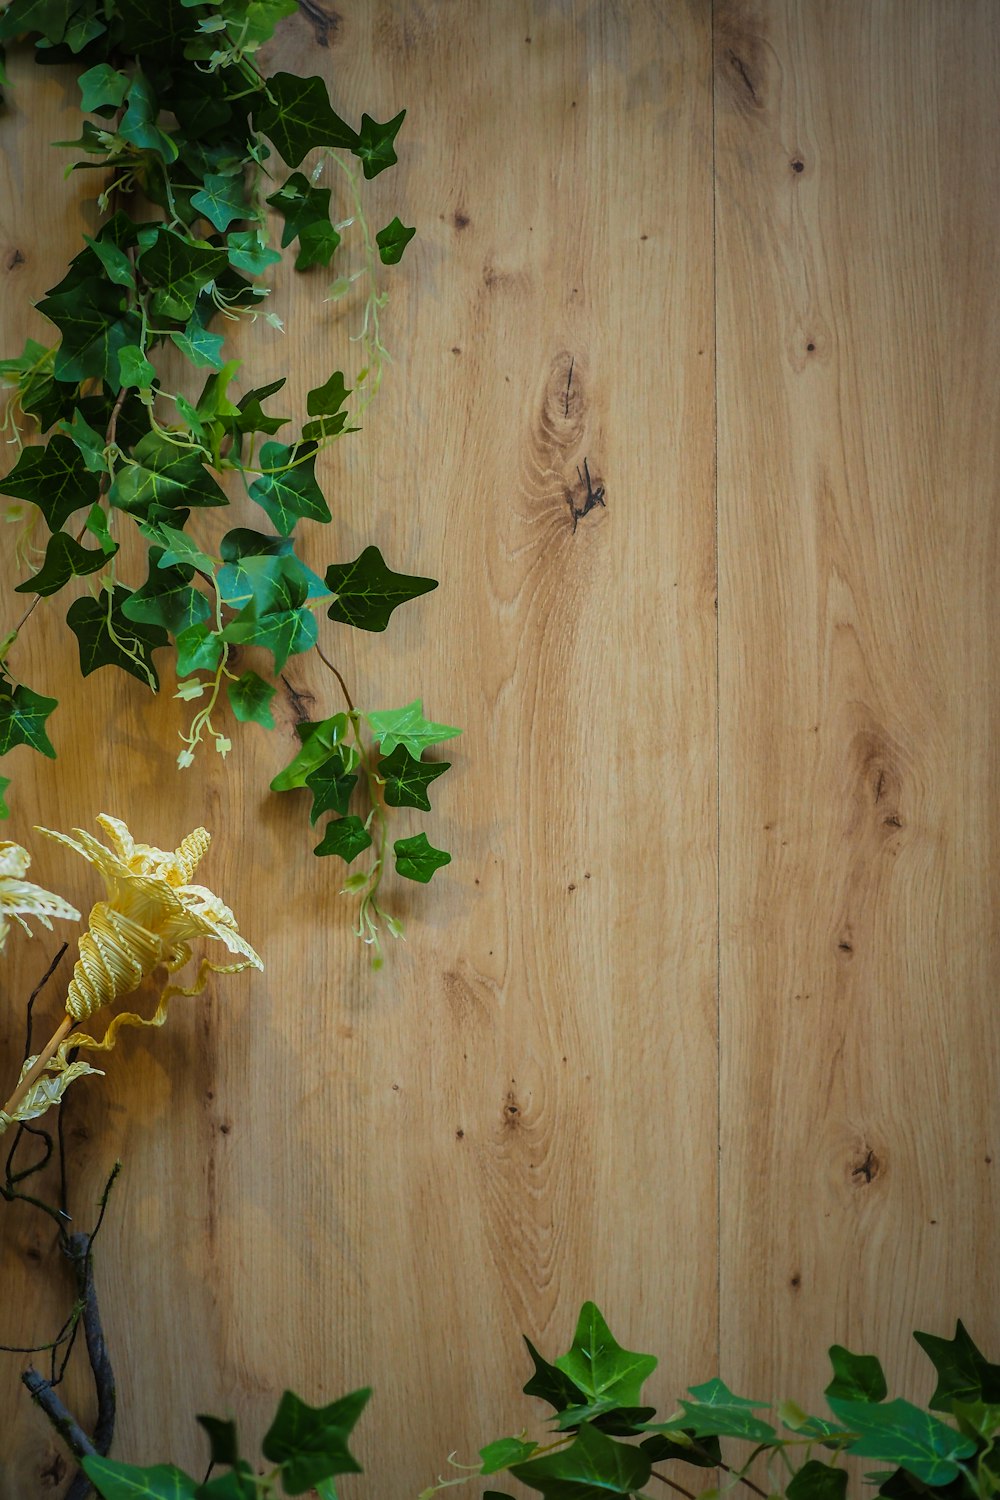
[(180, 120)]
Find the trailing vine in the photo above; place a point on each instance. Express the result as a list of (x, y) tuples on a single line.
[(190, 140)]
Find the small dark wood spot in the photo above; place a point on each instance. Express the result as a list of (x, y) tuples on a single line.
[(586, 874), (811, 348), (644, 236), (299, 700), (325, 23), (893, 821), (54, 1472), (867, 1167), (225, 1128), (845, 947), (571, 887), (455, 349), (988, 1160), (932, 1221), (798, 165), (395, 1088), (15, 259), (461, 220), (796, 1281), (460, 1135)]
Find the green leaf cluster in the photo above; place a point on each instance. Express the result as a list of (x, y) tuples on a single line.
[(307, 1444), (179, 117)]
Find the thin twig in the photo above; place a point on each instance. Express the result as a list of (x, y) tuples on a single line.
[(329, 664), (672, 1484)]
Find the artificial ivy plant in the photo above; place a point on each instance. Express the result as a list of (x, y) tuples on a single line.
[(197, 153)]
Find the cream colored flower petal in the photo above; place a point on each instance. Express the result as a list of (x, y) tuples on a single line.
[(218, 920), (45, 1091), (20, 898), (13, 860), (119, 835)]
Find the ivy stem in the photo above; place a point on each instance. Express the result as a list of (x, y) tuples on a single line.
[(330, 667), (40, 1064), (744, 1480), (672, 1484)]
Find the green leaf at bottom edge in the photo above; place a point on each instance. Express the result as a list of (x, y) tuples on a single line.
[(115, 1481)]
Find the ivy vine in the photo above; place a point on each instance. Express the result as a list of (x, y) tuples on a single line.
[(191, 141)]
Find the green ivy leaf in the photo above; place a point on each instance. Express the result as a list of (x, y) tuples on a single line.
[(407, 726), (139, 126), (599, 1365), (239, 1484), (179, 551), (417, 858), (102, 87), (222, 1439), (166, 475), (296, 116), (964, 1375), (179, 268), (347, 837), (4, 809), (284, 633), (392, 241), (503, 1453), (591, 1468), (114, 260), (287, 490), (107, 638), (374, 144), (198, 650), (55, 478), (117, 1481), (250, 697), (317, 244), (158, 28), (550, 1384), (64, 559), (300, 205), (47, 17), (704, 1453), (318, 740), (95, 324), (368, 592), (856, 1377), (897, 1432), (248, 252), (221, 199), (135, 368), (331, 785), (202, 348), (327, 399), (167, 599), (310, 1442), (89, 442), (240, 545), (817, 1481), (22, 718), (406, 779)]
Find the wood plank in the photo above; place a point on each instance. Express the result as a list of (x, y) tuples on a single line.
[(333, 1179), (858, 202)]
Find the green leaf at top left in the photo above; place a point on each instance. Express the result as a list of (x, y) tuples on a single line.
[(64, 559), (22, 718), (55, 478), (115, 1481), (107, 638), (47, 17), (310, 1442)]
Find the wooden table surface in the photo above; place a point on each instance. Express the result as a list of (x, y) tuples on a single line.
[(700, 1022)]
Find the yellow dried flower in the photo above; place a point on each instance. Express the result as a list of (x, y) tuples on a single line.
[(150, 915), (20, 898)]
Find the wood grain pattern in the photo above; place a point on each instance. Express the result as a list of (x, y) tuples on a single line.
[(332, 1180), (859, 462)]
